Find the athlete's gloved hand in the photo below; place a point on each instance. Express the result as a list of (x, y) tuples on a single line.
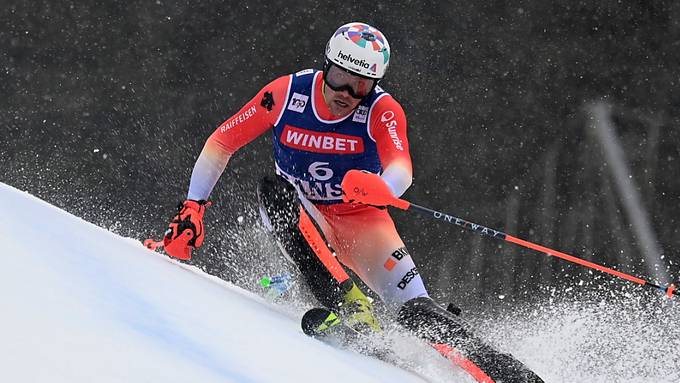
[(359, 186), (186, 229)]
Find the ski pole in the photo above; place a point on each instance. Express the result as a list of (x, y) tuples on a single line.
[(369, 189)]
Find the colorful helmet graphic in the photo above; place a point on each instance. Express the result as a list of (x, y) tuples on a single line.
[(359, 48)]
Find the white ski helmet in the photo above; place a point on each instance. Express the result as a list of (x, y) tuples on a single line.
[(359, 48)]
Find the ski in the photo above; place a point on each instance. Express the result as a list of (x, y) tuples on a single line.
[(447, 333), (319, 322), (481, 361), (325, 325), (486, 364)]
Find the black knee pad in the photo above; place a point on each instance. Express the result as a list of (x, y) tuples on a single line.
[(280, 203)]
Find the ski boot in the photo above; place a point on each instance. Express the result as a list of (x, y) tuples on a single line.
[(357, 311), (354, 326)]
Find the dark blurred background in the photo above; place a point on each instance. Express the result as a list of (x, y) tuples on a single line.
[(105, 105)]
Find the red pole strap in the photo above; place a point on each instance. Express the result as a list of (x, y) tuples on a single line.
[(573, 259)]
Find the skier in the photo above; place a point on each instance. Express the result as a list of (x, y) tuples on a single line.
[(324, 124)]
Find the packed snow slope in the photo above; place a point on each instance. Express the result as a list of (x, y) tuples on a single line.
[(80, 304)]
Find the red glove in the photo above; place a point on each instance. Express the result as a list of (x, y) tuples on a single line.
[(368, 189), (186, 229)]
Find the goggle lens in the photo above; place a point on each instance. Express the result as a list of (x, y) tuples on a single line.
[(339, 79)]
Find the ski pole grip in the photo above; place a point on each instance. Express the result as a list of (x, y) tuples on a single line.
[(401, 204)]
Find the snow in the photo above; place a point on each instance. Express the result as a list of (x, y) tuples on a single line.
[(80, 304)]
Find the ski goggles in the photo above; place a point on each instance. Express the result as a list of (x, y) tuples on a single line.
[(339, 79)]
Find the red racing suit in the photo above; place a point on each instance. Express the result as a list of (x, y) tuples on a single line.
[(363, 237)]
